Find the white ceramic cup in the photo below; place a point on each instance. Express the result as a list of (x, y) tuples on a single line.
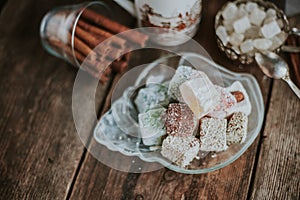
[(177, 18)]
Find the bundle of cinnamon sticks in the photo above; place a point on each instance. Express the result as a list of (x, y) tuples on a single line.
[(90, 30)]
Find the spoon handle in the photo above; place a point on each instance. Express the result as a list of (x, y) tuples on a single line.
[(295, 31), (292, 85)]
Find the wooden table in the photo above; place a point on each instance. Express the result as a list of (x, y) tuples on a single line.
[(42, 157)]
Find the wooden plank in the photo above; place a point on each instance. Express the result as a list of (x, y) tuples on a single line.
[(40, 148), (277, 174)]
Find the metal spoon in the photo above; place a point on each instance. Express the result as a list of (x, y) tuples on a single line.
[(275, 67)]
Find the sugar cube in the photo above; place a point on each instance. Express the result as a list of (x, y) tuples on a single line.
[(236, 38), (151, 96), (180, 150), (241, 25), (270, 30), (182, 74), (152, 126), (213, 134), (271, 13), (262, 43), (222, 34), (180, 120), (247, 46), (200, 95), (250, 6), (237, 128), (229, 11), (241, 106), (257, 16)]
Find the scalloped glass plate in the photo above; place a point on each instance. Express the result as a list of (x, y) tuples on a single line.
[(107, 133)]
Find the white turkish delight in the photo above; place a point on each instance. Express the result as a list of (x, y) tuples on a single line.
[(244, 104), (182, 74), (229, 11), (213, 134), (180, 120), (257, 16), (222, 34), (236, 39), (237, 128), (270, 30), (151, 96), (180, 150), (262, 43), (225, 101), (247, 46), (152, 126), (200, 95), (241, 25)]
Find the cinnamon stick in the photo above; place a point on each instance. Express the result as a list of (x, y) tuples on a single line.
[(119, 66), (84, 49), (101, 34), (88, 66), (115, 27)]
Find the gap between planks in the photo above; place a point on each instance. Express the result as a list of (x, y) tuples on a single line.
[(108, 92)]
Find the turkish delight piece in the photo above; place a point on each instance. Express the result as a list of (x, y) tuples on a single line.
[(180, 120), (151, 96), (200, 95), (182, 74), (213, 134), (270, 30), (226, 100), (241, 25), (237, 128), (180, 150), (152, 126), (243, 104)]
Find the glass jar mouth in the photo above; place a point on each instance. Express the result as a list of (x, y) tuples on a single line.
[(58, 29), (84, 6)]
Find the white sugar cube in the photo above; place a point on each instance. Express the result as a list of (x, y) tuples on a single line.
[(257, 16), (222, 34), (262, 43), (278, 40), (236, 38), (241, 12), (271, 12), (228, 24), (247, 46), (270, 30), (241, 25), (250, 6), (230, 11)]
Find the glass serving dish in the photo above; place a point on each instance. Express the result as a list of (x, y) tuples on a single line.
[(129, 143)]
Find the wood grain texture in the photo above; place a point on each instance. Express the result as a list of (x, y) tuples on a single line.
[(277, 174), (39, 147)]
